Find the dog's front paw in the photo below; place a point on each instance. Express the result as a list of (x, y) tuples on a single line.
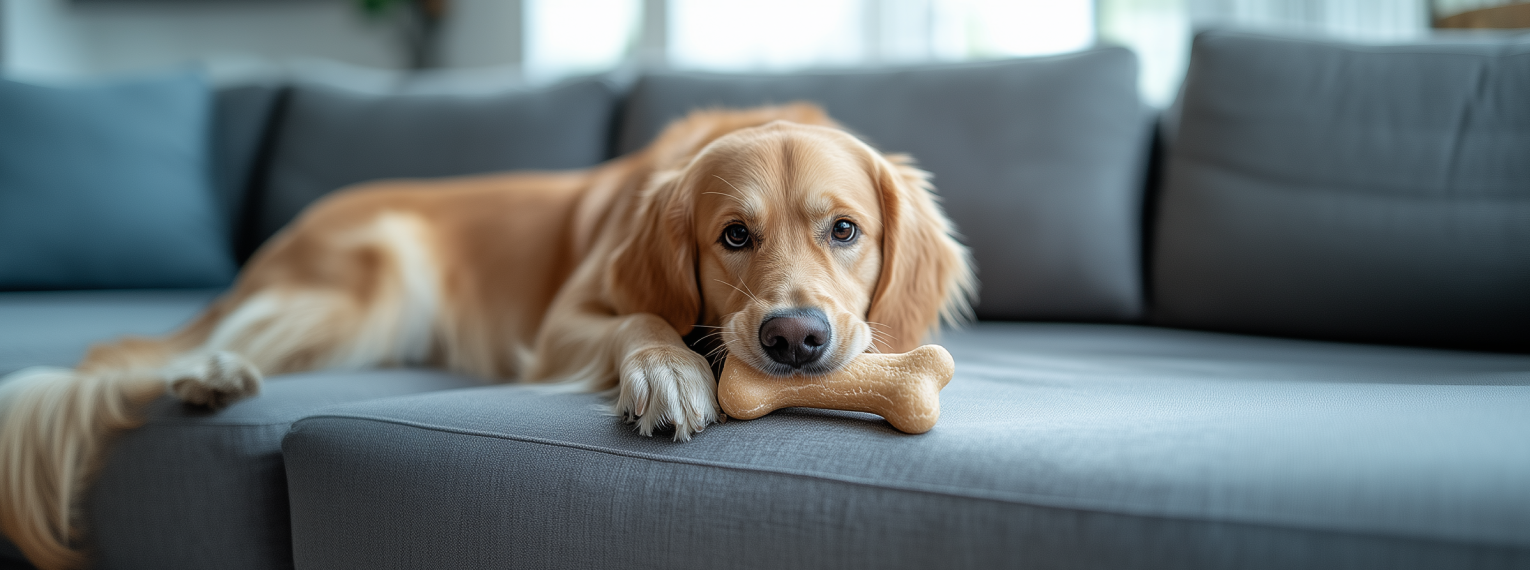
[(665, 385), (214, 380)]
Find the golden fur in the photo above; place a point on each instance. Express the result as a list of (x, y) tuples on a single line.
[(595, 275)]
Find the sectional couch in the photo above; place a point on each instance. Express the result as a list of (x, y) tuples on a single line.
[(1285, 324)]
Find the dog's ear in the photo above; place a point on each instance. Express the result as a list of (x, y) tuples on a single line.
[(926, 274), (654, 270)]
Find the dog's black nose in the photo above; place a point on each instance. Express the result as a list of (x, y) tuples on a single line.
[(795, 338)]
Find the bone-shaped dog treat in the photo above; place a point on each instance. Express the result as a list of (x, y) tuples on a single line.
[(904, 388)]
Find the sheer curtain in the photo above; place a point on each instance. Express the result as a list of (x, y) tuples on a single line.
[(1160, 30), (580, 36), (574, 36)]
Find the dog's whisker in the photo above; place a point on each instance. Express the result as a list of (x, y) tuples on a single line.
[(748, 290), (736, 198), (879, 337), (883, 332), (735, 288), (730, 185), (721, 351)]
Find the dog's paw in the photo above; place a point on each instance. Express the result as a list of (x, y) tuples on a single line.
[(214, 380), (670, 386)]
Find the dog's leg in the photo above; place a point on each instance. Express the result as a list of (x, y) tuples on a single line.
[(661, 381)]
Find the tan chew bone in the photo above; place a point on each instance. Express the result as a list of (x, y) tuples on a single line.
[(904, 388)]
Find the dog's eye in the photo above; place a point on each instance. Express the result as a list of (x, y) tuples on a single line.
[(735, 236), (843, 231)]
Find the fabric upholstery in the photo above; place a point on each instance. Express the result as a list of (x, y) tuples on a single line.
[(241, 122), (107, 185), (190, 489), (1059, 446), (1359, 192), (328, 138), (194, 490), (1038, 161), (54, 328)]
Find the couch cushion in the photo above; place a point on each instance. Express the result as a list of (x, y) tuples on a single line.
[(1077, 446), (241, 122), (54, 328), (1360, 192), (107, 185), (328, 138), (193, 490), (190, 489), (1039, 162)]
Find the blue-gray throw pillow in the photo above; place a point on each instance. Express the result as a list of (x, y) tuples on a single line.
[(108, 185)]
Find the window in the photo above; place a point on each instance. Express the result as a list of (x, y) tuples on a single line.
[(567, 37), (794, 34), (579, 36)]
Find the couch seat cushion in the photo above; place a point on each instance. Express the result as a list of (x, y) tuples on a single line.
[(190, 489), (55, 328), (1079, 446), (193, 489)]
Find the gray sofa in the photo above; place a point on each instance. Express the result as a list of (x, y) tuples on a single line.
[(1287, 328)]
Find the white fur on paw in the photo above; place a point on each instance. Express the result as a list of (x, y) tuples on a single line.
[(667, 386), (214, 380)]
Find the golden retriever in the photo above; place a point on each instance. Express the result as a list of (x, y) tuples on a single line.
[(771, 233)]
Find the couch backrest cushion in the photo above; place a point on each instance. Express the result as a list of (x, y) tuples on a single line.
[(241, 125), (328, 138), (108, 184), (1373, 193), (1038, 162)]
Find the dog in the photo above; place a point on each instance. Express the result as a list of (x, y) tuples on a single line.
[(771, 235)]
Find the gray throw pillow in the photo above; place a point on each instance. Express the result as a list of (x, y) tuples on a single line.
[(328, 138), (1376, 193), (108, 185), (1039, 162)]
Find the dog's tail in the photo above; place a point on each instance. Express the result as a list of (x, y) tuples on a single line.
[(54, 424)]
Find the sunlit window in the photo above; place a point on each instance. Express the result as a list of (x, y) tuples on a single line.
[(764, 34), (793, 34), (566, 37), (965, 29)]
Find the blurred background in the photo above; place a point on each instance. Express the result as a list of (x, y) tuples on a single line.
[(543, 40)]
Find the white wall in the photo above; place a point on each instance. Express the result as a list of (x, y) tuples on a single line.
[(482, 33), (64, 38)]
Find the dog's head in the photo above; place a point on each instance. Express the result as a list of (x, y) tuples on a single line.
[(798, 246)]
